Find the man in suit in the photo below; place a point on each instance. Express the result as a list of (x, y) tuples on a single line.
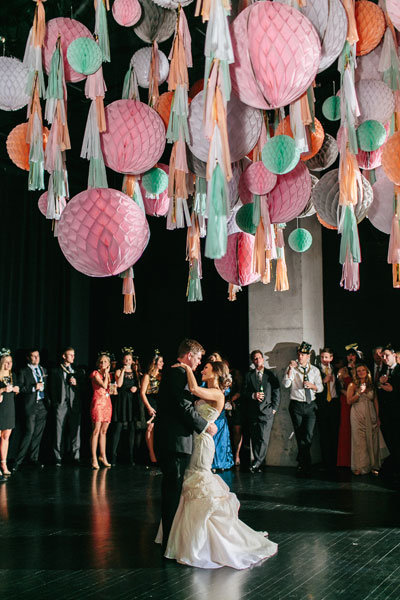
[(377, 364), (33, 396), (328, 413), (261, 397), (175, 422), (66, 403), (389, 406)]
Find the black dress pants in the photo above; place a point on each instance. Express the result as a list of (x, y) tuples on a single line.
[(328, 419), (303, 419), (173, 467), (35, 423), (260, 432)]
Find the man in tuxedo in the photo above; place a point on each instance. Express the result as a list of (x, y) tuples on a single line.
[(328, 413), (33, 396), (66, 403), (261, 397), (175, 422), (389, 405)]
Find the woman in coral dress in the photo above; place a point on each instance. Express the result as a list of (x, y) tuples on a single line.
[(100, 409), (206, 531)]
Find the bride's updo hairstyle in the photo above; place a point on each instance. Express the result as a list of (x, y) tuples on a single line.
[(221, 371)]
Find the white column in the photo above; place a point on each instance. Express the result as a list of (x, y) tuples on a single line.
[(279, 321)]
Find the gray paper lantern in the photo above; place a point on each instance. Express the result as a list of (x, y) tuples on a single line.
[(326, 155), (141, 62), (195, 165), (244, 127), (309, 210), (13, 80), (325, 198), (157, 24)]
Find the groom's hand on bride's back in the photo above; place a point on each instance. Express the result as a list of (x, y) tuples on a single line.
[(212, 429)]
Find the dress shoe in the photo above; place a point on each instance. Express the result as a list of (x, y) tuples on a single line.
[(95, 465), (255, 469), (3, 479), (15, 468), (4, 468), (58, 463), (104, 462)]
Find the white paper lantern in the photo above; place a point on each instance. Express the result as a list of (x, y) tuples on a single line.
[(141, 62), (13, 80), (381, 211)]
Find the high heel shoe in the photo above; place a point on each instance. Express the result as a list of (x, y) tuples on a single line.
[(95, 465), (4, 468), (104, 462)]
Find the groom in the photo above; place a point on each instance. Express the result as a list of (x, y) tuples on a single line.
[(175, 422)]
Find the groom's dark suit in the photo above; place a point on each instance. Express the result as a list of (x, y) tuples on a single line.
[(174, 424)]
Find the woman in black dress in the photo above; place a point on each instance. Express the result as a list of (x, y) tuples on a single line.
[(124, 404), (148, 393), (8, 389)]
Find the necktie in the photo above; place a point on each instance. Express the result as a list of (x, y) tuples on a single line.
[(307, 391), (328, 386), (39, 380)]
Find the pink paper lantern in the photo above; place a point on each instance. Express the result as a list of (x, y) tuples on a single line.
[(156, 207), (277, 54), (257, 179), (102, 232), (289, 197), (134, 139), (236, 266), (126, 12), (42, 204), (393, 9), (69, 30), (367, 160)]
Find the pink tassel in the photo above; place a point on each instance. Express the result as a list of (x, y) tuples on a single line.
[(186, 38), (394, 242), (350, 274), (95, 85)]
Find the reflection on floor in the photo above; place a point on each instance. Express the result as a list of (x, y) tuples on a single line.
[(75, 533)]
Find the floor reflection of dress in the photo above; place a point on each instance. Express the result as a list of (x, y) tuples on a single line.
[(206, 531)]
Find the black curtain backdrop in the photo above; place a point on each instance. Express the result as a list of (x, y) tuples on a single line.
[(45, 302)]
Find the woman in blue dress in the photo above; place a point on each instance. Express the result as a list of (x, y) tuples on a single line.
[(223, 457)]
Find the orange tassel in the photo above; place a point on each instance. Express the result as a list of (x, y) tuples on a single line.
[(396, 275), (281, 281), (128, 185), (154, 76), (259, 259), (39, 24), (352, 33), (101, 117)]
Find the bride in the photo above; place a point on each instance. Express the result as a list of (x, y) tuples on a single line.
[(206, 531)]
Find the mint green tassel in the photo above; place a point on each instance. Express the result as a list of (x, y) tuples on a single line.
[(36, 176), (101, 30), (36, 157), (217, 234), (256, 209), (194, 293), (97, 173), (130, 90), (200, 203), (178, 120), (350, 241), (137, 197), (55, 85)]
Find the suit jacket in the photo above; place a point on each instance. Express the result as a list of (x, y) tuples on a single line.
[(61, 390), (389, 402), (176, 417), (321, 397), (27, 383), (260, 411)]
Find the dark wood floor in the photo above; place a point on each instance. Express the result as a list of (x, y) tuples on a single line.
[(75, 533)]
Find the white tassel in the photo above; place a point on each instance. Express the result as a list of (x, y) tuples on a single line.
[(297, 126)]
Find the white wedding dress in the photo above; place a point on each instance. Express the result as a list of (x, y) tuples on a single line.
[(206, 531)]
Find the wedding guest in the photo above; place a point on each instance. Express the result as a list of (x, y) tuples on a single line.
[(345, 377), (148, 393), (223, 458), (234, 414), (261, 397), (328, 413), (35, 402), (398, 357), (362, 398), (304, 381), (8, 389), (124, 404), (65, 395), (101, 409), (139, 410), (389, 407), (376, 366)]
